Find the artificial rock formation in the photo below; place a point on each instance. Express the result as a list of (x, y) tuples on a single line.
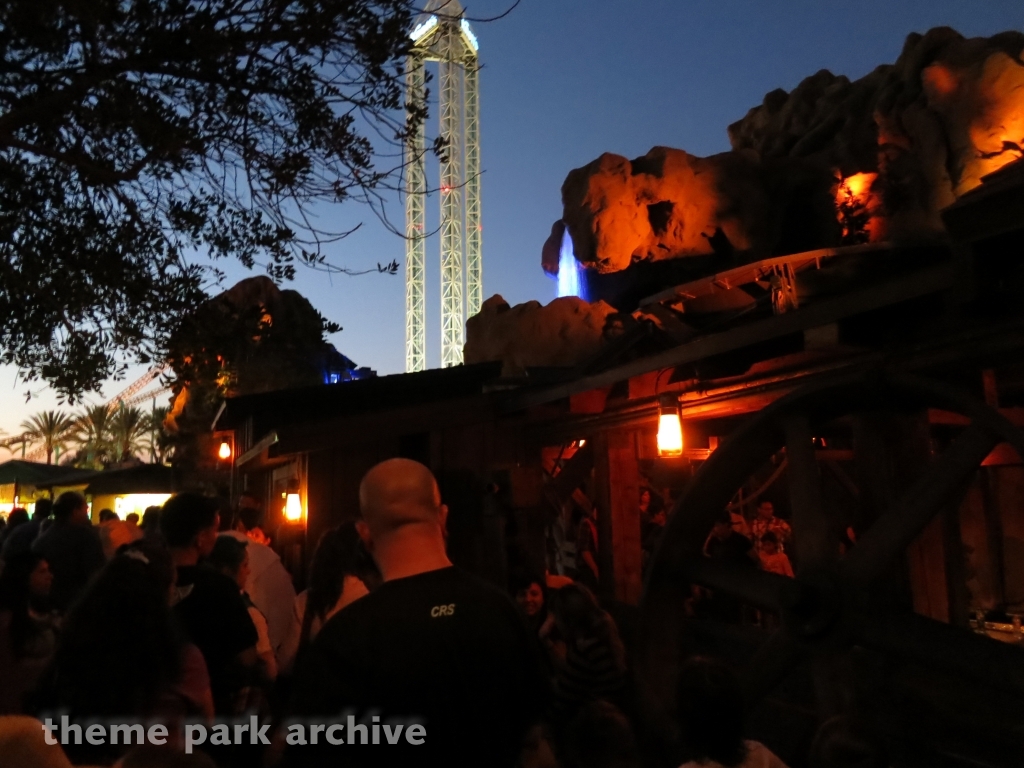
[(833, 162), (912, 136), (565, 332), (663, 205), (253, 337)]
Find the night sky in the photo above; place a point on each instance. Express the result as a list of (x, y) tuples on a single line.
[(564, 81)]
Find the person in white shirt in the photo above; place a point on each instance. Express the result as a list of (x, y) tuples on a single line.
[(710, 711), (269, 584)]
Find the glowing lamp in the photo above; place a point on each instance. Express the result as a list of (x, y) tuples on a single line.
[(292, 508), (224, 452), (670, 430)]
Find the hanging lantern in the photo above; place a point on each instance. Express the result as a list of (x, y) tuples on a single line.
[(224, 452), (292, 508), (670, 429)]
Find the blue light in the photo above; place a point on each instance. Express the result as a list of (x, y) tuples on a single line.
[(570, 281)]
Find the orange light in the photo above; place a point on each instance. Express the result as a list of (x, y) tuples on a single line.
[(856, 186), (224, 452), (670, 430), (858, 209), (292, 508)]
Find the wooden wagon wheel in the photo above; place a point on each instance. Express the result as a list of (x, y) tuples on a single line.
[(830, 609)]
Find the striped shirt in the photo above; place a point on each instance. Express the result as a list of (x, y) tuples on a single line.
[(592, 670)]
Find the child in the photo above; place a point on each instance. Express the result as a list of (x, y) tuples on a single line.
[(772, 560)]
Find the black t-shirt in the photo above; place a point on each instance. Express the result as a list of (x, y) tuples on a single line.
[(442, 649), (214, 616), (74, 553)]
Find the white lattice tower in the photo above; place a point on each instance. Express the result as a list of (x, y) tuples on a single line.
[(442, 35), (452, 304), (474, 224), (415, 222)]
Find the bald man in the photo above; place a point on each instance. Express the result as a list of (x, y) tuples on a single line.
[(433, 647)]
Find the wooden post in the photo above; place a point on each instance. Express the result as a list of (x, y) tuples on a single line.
[(893, 450), (617, 492), (993, 532), (955, 567), (875, 449)]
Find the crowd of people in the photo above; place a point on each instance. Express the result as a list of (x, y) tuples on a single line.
[(179, 619)]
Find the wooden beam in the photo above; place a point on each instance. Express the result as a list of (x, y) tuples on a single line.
[(755, 393), (920, 283), (1014, 415), (757, 270), (670, 323), (617, 487), (263, 445), (981, 217)]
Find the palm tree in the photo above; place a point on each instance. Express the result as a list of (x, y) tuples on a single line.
[(128, 429), (52, 428), (21, 440), (92, 433), (157, 439)]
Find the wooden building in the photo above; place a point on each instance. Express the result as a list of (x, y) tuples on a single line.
[(874, 391), (23, 482)]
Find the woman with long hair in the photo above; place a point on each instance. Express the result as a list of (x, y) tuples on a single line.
[(341, 572), (120, 654), (28, 628)]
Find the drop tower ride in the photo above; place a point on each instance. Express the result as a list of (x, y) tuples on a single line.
[(443, 36)]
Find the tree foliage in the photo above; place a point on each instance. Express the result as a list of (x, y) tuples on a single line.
[(51, 428), (157, 441), (139, 137), (92, 436), (129, 428)]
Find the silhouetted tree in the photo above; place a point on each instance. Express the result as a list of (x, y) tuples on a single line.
[(128, 431), (51, 428), (136, 134), (157, 440), (92, 436)]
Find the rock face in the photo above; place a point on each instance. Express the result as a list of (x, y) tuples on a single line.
[(563, 333), (663, 205), (923, 131)]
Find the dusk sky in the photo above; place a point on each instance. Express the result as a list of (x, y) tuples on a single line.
[(564, 81)]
